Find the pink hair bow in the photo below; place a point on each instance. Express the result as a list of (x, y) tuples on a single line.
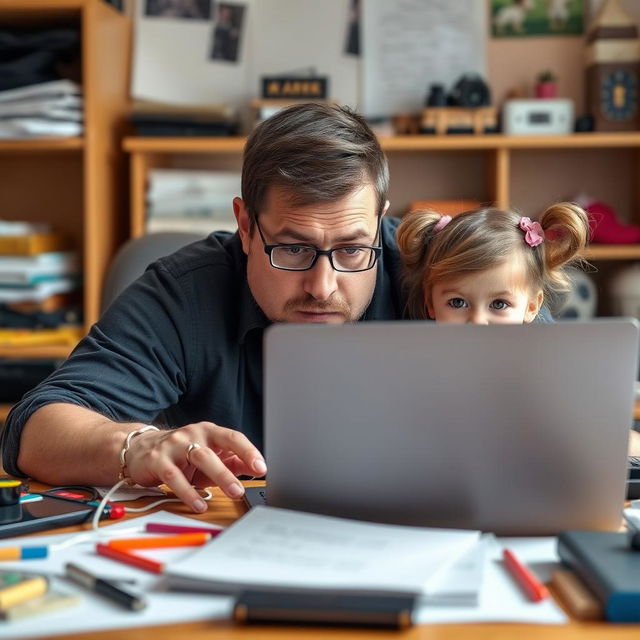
[(533, 231), (441, 224)]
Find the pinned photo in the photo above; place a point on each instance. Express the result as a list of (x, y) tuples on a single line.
[(227, 31), (191, 9), (514, 18)]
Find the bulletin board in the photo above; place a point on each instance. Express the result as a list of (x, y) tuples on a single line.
[(403, 45)]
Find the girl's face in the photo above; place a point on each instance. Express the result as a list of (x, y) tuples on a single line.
[(499, 295)]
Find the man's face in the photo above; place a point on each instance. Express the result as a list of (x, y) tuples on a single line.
[(319, 294)]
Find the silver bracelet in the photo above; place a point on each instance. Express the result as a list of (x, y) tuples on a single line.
[(125, 448)]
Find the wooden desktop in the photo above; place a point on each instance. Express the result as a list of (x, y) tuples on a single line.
[(223, 510)]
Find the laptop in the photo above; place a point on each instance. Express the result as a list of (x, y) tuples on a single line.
[(516, 429)]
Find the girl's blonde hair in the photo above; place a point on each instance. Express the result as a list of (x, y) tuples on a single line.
[(483, 239)]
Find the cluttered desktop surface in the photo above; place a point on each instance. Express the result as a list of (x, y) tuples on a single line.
[(459, 598)]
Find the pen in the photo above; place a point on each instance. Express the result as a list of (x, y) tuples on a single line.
[(23, 553), (130, 558), (533, 588), (160, 527), (178, 540), (104, 588)]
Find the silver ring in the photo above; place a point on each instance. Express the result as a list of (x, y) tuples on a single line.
[(190, 448)]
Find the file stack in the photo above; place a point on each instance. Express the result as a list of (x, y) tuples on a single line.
[(46, 109), (188, 200)]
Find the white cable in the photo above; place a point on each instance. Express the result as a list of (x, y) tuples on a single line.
[(100, 508)]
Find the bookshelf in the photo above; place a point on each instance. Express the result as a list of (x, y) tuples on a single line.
[(75, 184), (498, 158)]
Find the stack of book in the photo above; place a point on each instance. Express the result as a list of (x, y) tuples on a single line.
[(39, 302), (608, 567), (25, 595), (39, 278), (188, 200)]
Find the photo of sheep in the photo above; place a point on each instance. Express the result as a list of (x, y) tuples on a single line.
[(514, 18)]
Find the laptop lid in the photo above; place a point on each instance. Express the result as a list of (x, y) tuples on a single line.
[(517, 429)]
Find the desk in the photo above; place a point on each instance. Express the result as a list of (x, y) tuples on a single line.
[(222, 510)]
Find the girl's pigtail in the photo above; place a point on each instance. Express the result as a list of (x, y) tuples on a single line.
[(414, 235), (566, 229)]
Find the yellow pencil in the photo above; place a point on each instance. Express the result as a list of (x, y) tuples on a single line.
[(179, 540)]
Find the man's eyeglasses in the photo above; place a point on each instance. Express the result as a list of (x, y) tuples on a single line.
[(302, 257)]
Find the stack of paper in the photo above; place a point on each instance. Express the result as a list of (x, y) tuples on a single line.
[(199, 201), (47, 109), (280, 549)]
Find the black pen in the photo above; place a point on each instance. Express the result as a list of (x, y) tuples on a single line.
[(104, 587)]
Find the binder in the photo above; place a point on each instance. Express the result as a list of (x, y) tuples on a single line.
[(31, 243), (608, 567)]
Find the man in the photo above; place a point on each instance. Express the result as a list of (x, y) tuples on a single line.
[(185, 340)]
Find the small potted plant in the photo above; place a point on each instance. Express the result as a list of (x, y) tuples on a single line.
[(546, 86)]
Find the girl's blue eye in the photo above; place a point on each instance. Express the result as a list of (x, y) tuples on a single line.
[(499, 305), (457, 303)]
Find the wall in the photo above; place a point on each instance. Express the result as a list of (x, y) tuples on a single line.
[(515, 62)]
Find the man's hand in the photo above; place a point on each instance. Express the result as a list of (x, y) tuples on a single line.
[(160, 457)]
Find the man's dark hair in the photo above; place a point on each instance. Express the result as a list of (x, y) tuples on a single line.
[(317, 152)]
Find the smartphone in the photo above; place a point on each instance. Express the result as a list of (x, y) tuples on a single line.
[(27, 517)]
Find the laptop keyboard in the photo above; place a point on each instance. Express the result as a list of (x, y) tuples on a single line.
[(258, 495), (633, 483)]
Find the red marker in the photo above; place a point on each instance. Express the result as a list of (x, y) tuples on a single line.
[(128, 557), (533, 588), (160, 527)]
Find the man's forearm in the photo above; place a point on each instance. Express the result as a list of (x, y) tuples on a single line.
[(67, 444)]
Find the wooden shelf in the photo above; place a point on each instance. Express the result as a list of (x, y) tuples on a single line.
[(77, 184), (4, 412), (57, 352), (500, 141), (141, 144), (38, 145), (613, 252)]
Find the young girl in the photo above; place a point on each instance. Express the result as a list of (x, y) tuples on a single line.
[(488, 266)]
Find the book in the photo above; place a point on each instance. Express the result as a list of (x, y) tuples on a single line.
[(16, 587), (609, 568), (278, 550), (38, 291), (63, 336), (33, 243), (31, 269)]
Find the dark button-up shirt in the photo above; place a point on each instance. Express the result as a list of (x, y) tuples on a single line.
[(182, 344)]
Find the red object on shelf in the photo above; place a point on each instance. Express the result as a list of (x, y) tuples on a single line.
[(546, 90), (606, 228)]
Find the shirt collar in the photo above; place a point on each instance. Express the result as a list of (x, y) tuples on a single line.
[(251, 315)]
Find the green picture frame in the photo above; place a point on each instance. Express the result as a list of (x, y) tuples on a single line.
[(524, 18)]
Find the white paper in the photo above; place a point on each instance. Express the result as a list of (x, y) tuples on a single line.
[(274, 548), (96, 613), (501, 600), (409, 44), (462, 582)]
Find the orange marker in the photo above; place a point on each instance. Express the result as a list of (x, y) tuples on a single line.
[(179, 540), (534, 589), (127, 557)]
